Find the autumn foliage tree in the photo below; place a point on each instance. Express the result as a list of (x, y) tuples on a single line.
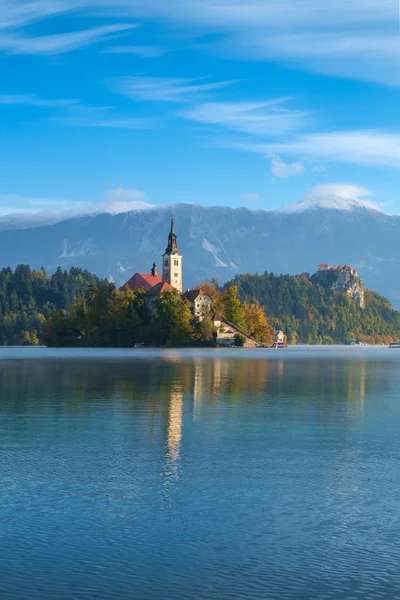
[(256, 323)]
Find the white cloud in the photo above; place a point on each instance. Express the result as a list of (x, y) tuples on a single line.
[(15, 204), (60, 43), (371, 56), (341, 190), (335, 196), (364, 147), (352, 38), (14, 208), (357, 38), (285, 170), (19, 13), (256, 118), (319, 169), (163, 89)]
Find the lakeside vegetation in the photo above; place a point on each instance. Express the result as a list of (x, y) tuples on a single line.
[(75, 308)]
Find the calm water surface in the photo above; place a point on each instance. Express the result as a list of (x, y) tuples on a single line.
[(200, 475)]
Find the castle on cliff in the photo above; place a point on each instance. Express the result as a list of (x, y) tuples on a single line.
[(346, 268)]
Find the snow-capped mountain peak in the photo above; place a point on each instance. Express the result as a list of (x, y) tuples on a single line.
[(333, 197)]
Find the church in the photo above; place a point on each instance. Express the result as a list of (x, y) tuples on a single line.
[(171, 278), (199, 302)]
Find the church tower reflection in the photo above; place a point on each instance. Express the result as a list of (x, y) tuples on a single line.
[(174, 431)]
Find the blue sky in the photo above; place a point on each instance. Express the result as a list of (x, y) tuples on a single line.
[(236, 102)]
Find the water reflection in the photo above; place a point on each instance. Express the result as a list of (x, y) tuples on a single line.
[(175, 425), (201, 380), (209, 477)]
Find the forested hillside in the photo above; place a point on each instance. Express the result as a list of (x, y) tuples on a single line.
[(309, 312), (28, 298)]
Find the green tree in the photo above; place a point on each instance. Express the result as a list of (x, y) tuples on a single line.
[(232, 308), (172, 323)]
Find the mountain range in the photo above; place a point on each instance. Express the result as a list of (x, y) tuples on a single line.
[(216, 241)]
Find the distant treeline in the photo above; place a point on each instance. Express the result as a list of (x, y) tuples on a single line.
[(28, 298), (311, 313)]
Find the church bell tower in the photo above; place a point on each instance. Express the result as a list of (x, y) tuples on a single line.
[(172, 261)]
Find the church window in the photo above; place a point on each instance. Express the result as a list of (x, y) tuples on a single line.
[(176, 275), (176, 263), (166, 262)]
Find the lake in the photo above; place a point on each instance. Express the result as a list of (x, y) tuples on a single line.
[(200, 475)]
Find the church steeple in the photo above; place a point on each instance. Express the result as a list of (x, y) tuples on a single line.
[(172, 261), (154, 270), (172, 247)]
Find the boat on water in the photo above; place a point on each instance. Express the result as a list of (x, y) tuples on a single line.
[(279, 345), (395, 345)]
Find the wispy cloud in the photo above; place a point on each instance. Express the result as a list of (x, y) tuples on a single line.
[(364, 147), (142, 51), (60, 43), (357, 38), (15, 204), (113, 123), (163, 89), (39, 210), (255, 118), (34, 100), (371, 56), (72, 112), (18, 13), (285, 170)]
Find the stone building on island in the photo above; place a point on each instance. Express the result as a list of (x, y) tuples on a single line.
[(200, 303)]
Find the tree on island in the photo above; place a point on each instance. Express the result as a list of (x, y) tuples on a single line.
[(172, 323)]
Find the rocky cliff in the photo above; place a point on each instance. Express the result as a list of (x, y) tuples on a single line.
[(343, 281)]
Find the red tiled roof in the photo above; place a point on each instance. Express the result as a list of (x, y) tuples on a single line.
[(143, 280), (160, 288), (323, 265)]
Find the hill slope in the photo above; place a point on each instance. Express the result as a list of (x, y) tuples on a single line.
[(311, 310)]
